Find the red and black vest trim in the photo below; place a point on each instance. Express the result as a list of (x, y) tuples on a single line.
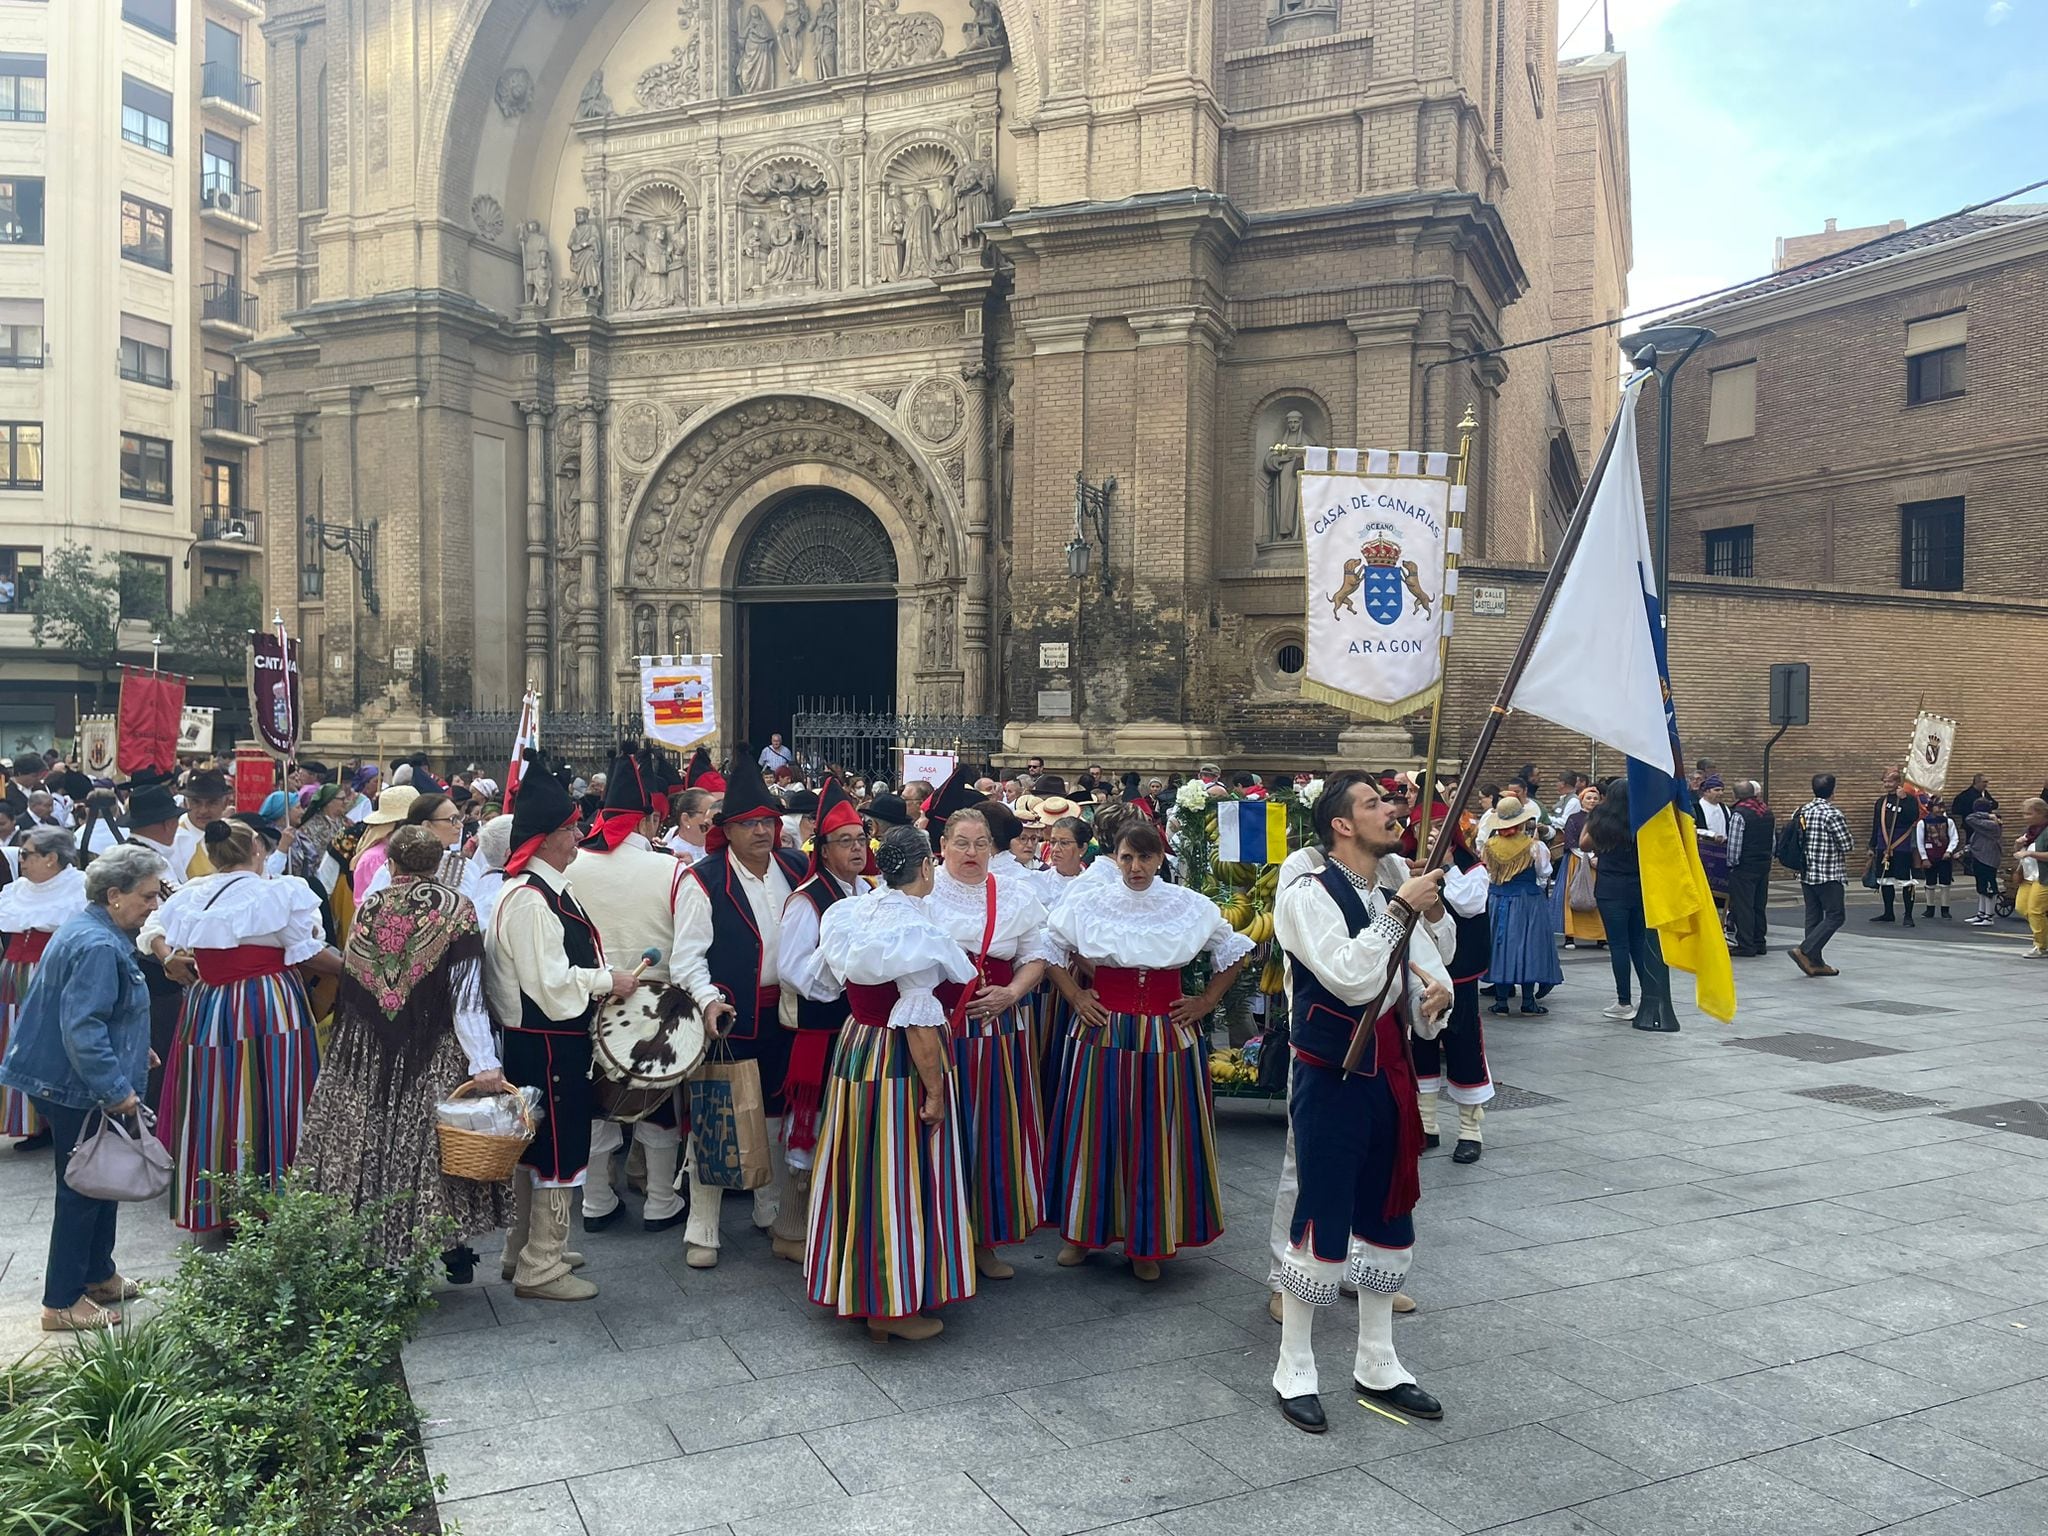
[(581, 947), (821, 891), (734, 958)]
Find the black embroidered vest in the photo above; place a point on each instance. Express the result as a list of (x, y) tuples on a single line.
[(1321, 1023), (734, 958)]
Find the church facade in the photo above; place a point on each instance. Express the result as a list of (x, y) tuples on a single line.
[(794, 331)]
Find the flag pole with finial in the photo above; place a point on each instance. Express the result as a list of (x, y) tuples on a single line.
[(1454, 539)]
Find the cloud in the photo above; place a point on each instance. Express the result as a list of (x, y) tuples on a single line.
[(1996, 12)]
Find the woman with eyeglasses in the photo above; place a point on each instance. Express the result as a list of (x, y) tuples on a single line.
[(1133, 1152), (1066, 852), (890, 1233), (442, 817), (1000, 926)]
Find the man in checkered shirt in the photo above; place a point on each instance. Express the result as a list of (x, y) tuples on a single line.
[(1823, 879)]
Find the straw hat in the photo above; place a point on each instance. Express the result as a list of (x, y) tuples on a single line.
[(392, 806), (1510, 812), (1054, 808)]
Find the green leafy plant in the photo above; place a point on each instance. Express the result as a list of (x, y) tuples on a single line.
[(77, 608), (212, 634)]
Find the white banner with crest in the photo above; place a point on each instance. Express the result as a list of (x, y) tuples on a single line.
[(195, 730), (676, 702), (1934, 744), (1375, 526), (96, 746)]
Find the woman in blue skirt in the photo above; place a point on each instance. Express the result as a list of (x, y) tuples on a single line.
[(1524, 951)]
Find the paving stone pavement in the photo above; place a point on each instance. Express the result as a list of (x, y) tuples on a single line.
[(1680, 1299)]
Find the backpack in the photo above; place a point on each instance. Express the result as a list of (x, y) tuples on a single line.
[(1791, 849)]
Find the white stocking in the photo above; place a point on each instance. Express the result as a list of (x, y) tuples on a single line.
[(662, 1147), (599, 1197), (701, 1230), (1377, 1272), (1307, 1285)]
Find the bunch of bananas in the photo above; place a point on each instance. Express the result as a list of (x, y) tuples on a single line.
[(1273, 979), (1229, 1069)]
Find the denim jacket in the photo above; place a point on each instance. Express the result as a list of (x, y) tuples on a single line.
[(81, 1036)]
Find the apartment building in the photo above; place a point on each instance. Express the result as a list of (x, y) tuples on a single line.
[(128, 130)]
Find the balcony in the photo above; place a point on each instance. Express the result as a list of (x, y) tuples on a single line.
[(227, 418), (225, 306), (224, 89), (237, 528), (225, 199), (249, 8)]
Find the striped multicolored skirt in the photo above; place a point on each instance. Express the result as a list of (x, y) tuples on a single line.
[(1002, 1125), (1133, 1158), (18, 1115), (1055, 1052), (235, 1089), (889, 1233)]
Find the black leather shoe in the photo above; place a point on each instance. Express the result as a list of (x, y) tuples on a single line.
[(34, 1143), (1498, 1008), (1465, 1152), (599, 1223), (1406, 1398), (460, 1263), (1531, 1008), (663, 1223), (1651, 1026), (1304, 1413), (1431, 1139)]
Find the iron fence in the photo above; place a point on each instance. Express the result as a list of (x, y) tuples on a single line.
[(587, 741), (832, 735)]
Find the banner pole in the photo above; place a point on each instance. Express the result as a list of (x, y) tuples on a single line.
[(1454, 526)]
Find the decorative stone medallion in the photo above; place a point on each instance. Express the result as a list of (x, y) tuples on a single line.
[(488, 217), (936, 411), (639, 431)]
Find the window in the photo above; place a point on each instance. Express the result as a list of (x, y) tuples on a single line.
[(24, 568), (145, 468), (145, 351), (145, 233), (1931, 545), (1731, 551), (21, 210), (224, 51), (1290, 659), (21, 455), (24, 93), (1731, 403), (220, 487), (145, 587), (145, 115), (1934, 357), (216, 576), (21, 333), (220, 164), (158, 16)]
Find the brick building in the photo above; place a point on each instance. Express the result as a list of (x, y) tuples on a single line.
[(1858, 474), (784, 330)]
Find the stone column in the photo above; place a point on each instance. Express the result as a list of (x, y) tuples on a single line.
[(1384, 362), (588, 624), (976, 619), (340, 594), (537, 668)]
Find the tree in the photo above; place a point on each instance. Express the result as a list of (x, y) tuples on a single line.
[(212, 634), (77, 608)]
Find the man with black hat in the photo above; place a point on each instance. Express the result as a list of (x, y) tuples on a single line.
[(813, 1002), (888, 810), (155, 821), (728, 916), (623, 884), (206, 801), (545, 971)]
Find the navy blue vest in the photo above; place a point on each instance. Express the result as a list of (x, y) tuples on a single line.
[(821, 891), (1321, 1023), (579, 944), (1475, 933), (734, 958)]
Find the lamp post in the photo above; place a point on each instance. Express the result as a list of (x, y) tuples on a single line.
[(358, 543), (1091, 513), (1650, 348)]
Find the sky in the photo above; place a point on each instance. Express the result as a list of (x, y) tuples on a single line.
[(1751, 119)]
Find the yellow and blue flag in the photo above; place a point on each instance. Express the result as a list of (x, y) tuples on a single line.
[(1250, 832), (1599, 668)]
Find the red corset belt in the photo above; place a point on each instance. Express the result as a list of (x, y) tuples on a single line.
[(995, 973), (219, 967), (1124, 989), (871, 1004), (27, 948)]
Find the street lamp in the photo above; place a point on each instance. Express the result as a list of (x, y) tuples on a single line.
[(1091, 511), (1649, 348), (358, 543)]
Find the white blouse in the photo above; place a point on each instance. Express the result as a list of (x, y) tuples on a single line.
[(1160, 928), (29, 907), (962, 911), (884, 936), (227, 911), (1049, 886)]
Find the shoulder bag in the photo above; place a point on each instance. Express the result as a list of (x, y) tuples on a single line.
[(117, 1163)]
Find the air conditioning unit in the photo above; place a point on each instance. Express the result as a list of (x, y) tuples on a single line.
[(222, 200), (236, 530)]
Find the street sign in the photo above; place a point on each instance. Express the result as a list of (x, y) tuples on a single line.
[(1489, 602), (1052, 654), (1789, 682), (1055, 704)]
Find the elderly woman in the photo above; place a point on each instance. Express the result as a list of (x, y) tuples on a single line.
[(410, 1024), (81, 1043), (48, 894)]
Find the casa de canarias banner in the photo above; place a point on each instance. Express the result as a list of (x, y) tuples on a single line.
[(1376, 524), (676, 702)]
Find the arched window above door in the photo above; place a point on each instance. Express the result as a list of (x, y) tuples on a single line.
[(819, 538)]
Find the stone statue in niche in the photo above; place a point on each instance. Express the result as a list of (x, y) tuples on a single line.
[(921, 253), (586, 259), (796, 24), (536, 265), (984, 29), (928, 641), (794, 246), (643, 265), (754, 71), (947, 628), (679, 631), (593, 103), (643, 631), (970, 203), (1285, 428), (825, 41), (896, 236)]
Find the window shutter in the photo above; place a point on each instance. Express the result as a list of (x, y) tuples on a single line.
[(1941, 331), (151, 333), (21, 311), (1731, 405)]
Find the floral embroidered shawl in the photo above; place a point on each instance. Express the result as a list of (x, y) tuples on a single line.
[(415, 947)]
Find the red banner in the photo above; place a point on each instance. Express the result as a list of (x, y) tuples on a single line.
[(274, 690), (152, 706), (255, 778)]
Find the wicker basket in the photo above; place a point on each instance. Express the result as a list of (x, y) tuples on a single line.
[(485, 1159)]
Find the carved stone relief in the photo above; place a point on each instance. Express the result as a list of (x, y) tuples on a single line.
[(825, 40), (811, 344), (654, 242), (784, 231), (984, 29), (593, 103), (586, 260), (639, 431), (895, 40), (487, 216), (673, 83), (920, 236), (888, 395), (514, 92), (936, 411), (537, 267)]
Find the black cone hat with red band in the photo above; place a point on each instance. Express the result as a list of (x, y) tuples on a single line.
[(956, 794), (629, 792), (836, 811), (543, 807), (703, 773), (746, 798)]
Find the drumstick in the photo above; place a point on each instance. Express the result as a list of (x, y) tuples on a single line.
[(648, 956)]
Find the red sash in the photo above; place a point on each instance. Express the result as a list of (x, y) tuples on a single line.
[(1137, 989), (27, 948), (219, 967), (955, 997), (871, 1004)]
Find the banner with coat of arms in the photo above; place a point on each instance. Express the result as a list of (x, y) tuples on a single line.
[(676, 703), (1375, 524), (1934, 744), (97, 756)]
